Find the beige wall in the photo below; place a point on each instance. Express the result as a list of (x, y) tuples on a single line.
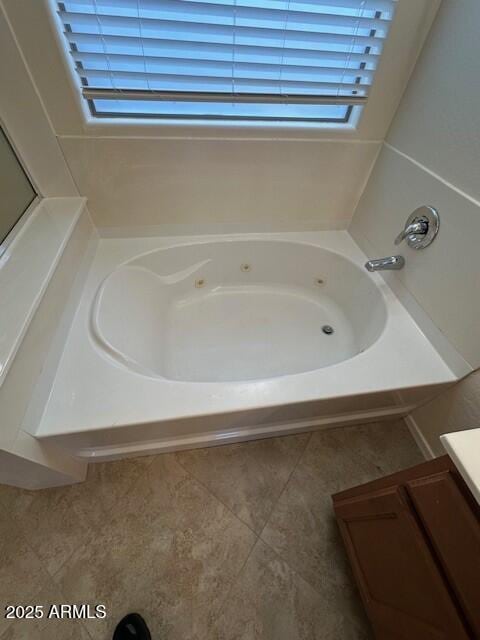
[(432, 156)]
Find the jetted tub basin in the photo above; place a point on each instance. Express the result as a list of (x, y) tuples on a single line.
[(237, 310)]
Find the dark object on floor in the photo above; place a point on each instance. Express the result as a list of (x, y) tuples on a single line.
[(132, 627)]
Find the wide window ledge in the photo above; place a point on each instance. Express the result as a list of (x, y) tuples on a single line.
[(27, 266)]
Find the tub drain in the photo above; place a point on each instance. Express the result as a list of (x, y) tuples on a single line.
[(327, 329)]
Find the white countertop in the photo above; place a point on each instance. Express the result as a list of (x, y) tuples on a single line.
[(464, 449)]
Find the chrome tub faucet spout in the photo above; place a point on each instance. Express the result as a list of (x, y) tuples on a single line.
[(392, 263)]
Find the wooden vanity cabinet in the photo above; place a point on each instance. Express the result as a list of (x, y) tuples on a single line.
[(413, 540)]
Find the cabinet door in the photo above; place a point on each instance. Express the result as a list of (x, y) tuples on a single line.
[(401, 586), (454, 530)]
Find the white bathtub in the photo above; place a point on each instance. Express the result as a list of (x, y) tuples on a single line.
[(183, 342), (236, 310)]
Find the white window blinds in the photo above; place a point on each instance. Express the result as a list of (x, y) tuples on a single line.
[(252, 59)]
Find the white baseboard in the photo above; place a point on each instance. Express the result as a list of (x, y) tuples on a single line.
[(419, 438)]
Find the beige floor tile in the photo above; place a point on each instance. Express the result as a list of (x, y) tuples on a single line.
[(169, 550), (304, 531), (107, 482), (270, 601), (158, 535), (45, 628), (5, 495), (21, 572), (389, 446), (56, 522), (51, 523), (247, 477), (345, 457), (302, 527)]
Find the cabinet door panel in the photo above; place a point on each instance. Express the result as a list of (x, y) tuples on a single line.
[(454, 529), (402, 588)]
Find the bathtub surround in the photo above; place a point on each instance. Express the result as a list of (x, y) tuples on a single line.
[(155, 405), (243, 538), (438, 121), (45, 268), (432, 157), (56, 243), (155, 186), (432, 276)]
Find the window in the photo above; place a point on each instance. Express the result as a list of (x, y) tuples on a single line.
[(16, 190), (264, 60)]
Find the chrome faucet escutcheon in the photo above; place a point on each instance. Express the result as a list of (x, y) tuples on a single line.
[(420, 229)]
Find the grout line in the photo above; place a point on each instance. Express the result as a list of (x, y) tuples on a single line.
[(284, 489), (74, 180), (132, 486), (295, 569), (86, 631), (258, 534), (433, 174), (363, 187), (236, 578), (277, 555), (257, 537), (201, 483)]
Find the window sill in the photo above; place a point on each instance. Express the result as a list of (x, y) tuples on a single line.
[(218, 129)]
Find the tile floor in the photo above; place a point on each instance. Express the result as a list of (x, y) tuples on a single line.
[(227, 543)]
